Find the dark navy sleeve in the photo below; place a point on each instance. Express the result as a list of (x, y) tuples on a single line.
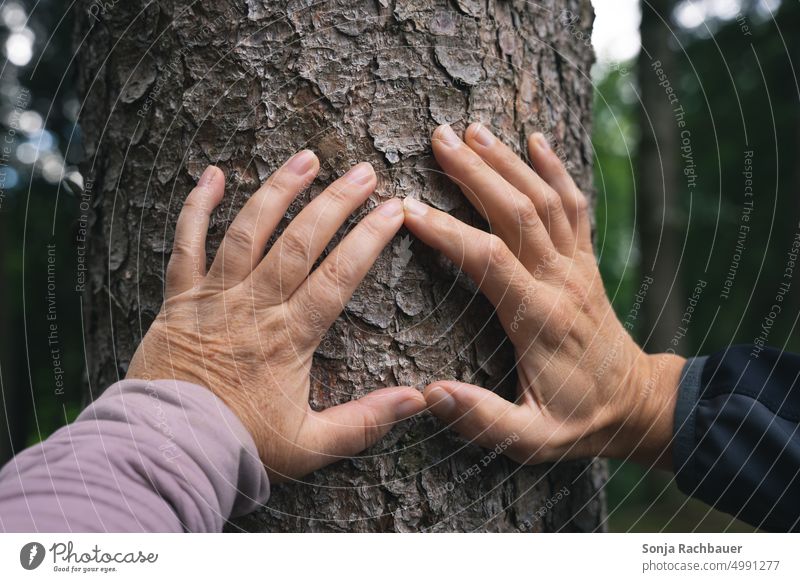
[(737, 444)]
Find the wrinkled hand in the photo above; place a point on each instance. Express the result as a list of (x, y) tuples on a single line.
[(248, 328), (585, 388)]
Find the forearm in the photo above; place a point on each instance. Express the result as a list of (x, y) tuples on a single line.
[(145, 456)]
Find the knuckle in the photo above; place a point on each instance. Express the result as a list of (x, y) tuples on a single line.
[(473, 163), (581, 201), (372, 429), (239, 237), (552, 200), (338, 271), (283, 182), (337, 194), (194, 206), (555, 165), (554, 208), (549, 265), (365, 433), (451, 229), (305, 314), (293, 246), (370, 227), (579, 295), (181, 249), (526, 213), (507, 161), (497, 252)]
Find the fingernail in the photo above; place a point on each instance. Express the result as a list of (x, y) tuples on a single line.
[(207, 177), (390, 209), (444, 403), (409, 407), (541, 141), (414, 206), (301, 162), (360, 174), (483, 136), (448, 136)]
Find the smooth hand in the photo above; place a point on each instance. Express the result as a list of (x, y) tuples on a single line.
[(585, 388), (247, 329)]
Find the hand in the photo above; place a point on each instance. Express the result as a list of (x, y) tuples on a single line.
[(585, 388), (248, 328)]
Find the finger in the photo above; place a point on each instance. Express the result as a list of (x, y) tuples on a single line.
[(510, 213), (348, 429), (520, 175), (243, 245), (329, 288), (482, 256), (479, 415), (187, 264), (290, 259), (575, 204)]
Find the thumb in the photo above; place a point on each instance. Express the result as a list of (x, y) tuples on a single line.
[(348, 429), (477, 414)]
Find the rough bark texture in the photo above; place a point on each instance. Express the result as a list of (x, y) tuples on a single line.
[(174, 86), (657, 187)]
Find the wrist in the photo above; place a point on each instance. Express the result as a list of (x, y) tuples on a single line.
[(644, 429)]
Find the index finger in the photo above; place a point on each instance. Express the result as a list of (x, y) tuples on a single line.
[(328, 289), (511, 214), (187, 263)]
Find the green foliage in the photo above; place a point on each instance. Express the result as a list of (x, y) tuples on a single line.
[(740, 93), (615, 138), (744, 97)]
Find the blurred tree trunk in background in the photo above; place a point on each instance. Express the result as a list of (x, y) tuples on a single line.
[(175, 85), (15, 386), (657, 187), (6, 391)]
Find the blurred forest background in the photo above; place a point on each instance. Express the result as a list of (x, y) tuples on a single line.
[(697, 173)]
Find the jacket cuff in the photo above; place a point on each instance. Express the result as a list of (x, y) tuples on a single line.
[(208, 450), (684, 437)]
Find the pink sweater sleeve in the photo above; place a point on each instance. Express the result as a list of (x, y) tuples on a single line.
[(160, 456)]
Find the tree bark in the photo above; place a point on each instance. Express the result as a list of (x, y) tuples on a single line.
[(658, 187), (174, 86)]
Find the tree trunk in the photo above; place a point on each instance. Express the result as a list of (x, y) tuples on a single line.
[(175, 85), (658, 188), (7, 408)]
